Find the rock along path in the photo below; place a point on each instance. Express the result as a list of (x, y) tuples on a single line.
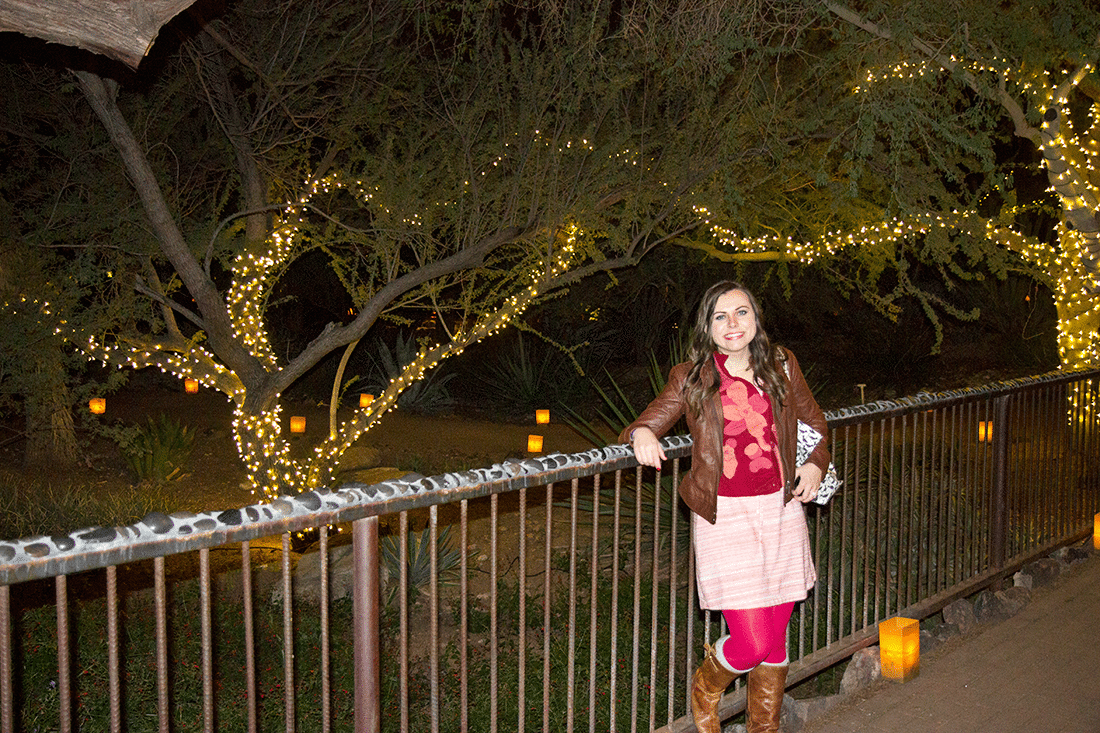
[(1038, 672)]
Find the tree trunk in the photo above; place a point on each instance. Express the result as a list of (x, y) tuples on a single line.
[(51, 436), (123, 30)]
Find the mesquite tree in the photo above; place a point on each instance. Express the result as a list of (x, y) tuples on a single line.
[(465, 160), (457, 161)]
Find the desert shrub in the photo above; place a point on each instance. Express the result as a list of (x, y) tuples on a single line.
[(426, 396), (528, 375), (419, 547), (158, 452)]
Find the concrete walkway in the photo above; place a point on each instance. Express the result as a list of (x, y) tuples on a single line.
[(1038, 672)]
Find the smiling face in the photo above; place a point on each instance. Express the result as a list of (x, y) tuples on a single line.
[(733, 323)]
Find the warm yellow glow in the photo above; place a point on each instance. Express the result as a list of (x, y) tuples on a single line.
[(899, 648), (1096, 532), (985, 431), (297, 424), (365, 399), (534, 443), (190, 386), (97, 405), (542, 417)]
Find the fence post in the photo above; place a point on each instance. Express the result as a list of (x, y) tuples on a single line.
[(368, 708), (999, 530)]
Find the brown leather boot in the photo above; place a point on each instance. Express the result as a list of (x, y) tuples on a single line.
[(712, 677), (766, 684)]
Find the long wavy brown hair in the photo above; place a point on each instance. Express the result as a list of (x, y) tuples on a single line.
[(765, 359)]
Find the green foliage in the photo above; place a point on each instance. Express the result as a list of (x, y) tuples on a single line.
[(419, 566), (524, 377), (48, 506), (618, 410), (427, 396), (158, 451)]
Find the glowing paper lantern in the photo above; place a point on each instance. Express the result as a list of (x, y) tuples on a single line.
[(190, 386), (97, 405), (534, 443), (1096, 532), (985, 431), (899, 648), (365, 399), (297, 424), (542, 417)]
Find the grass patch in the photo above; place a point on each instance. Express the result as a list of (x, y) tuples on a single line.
[(51, 506)]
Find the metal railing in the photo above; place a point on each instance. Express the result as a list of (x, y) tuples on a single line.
[(554, 593)]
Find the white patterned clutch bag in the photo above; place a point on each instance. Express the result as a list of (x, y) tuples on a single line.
[(808, 438)]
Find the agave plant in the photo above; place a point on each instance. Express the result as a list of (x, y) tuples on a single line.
[(428, 395), (419, 547), (157, 453)]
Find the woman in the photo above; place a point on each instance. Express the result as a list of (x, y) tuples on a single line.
[(743, 398)]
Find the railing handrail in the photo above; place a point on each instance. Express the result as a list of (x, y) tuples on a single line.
[(159, 534), (924, 400)]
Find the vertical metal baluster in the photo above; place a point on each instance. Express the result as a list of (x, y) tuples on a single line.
[(934, 472), (464, 615), (326, 666), (869, 539), (249, 635), (1051, 409), (1069, 423), (7, 707), (954, 484), (1023, 470), (161, 612), (571, 673), (912, 513), (970, 449), (1089, 448), (947, 489), (614, 661), (689, 637), (905, 518), (935, 508), (546, 601), (113, 677), (288, 637), (1057, 423), (64, 656), (365, 619), (673, 576), (521, 703), (655, 578), (893, 527), (923, 525), (986, 496), (593, 608), (1094, 439), (848, 540), (1056, 420), (1041, 400), (1072, 446), (635, 625), (403, 614), (207, 642), (433, 603), (1000, 481), (494, 620)]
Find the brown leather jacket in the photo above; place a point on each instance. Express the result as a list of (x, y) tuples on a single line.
[(699, 488)]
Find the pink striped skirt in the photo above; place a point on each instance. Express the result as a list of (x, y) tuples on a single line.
[(757, 554)]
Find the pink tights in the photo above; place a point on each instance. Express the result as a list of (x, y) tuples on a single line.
[(757, 635)]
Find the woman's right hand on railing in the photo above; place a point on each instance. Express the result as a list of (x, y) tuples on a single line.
[(647, 449)]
